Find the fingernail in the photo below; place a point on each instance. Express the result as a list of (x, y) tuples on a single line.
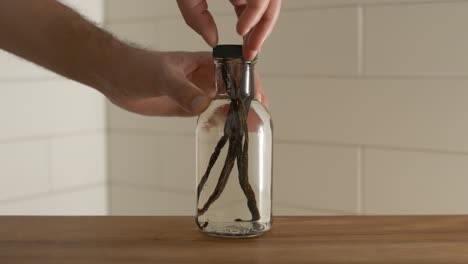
[(250, 55), (241, 31), (212, 41), (198, 102)]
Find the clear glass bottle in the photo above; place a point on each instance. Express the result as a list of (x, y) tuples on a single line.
[(234, 153)]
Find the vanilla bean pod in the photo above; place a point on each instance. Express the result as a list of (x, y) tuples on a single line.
[(243, 163), (236, 131), (229, 133), (212, 162), (226, 171)]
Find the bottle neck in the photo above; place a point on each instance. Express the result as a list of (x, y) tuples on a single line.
[(235, 78)]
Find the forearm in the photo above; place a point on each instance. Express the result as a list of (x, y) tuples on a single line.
[(56, 37)]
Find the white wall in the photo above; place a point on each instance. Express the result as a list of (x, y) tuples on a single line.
[(369, 99), (52, 138)]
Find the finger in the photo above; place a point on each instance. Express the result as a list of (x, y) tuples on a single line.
[(197, 16), (181, 68), (202, 73), (251, 15), (185, 94), (239, 7), (198, 68), (261, 30)]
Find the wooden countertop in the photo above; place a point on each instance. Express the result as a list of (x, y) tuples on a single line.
[(421, 239)]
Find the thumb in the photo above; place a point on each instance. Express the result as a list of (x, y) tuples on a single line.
[(185, 94)]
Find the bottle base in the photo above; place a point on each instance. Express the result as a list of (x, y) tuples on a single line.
[(236, 229)]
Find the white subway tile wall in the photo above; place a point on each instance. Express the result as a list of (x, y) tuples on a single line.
[(429, 40), (368, 99), (313, 42), (385, 112), (75, 161), (85, 200), (137, 200), (52, 138), (317, 177), (52, 107), (123, 121), (159, 161), (413, 182), (24, 168)]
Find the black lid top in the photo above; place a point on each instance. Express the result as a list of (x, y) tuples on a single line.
[(228, 51)]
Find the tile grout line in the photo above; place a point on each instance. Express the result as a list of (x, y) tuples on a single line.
[(361, 179), (150, 187), (50, 184), (57, 78), (322, 210), (104, 13), (107, 148), (361, 40), (367, 76), (66, 190), (361, 73), (369, 146), (149, 132), (108, 169), (411, 2), (52, 136)]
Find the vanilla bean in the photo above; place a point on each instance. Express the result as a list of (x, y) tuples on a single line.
[(212, 162), (236, 131), (243, 163), (219, 146), (223, 177), (214, 157), (231, 129), (199, 225)]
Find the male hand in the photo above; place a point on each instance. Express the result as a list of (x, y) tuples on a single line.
[(256, 19)]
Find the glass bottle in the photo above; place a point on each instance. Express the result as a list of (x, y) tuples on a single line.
[(234, 153)]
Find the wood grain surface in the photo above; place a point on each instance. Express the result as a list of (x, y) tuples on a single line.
[(342, 239)]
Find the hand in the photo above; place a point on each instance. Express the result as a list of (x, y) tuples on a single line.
[(256, 19), (168, 84)]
